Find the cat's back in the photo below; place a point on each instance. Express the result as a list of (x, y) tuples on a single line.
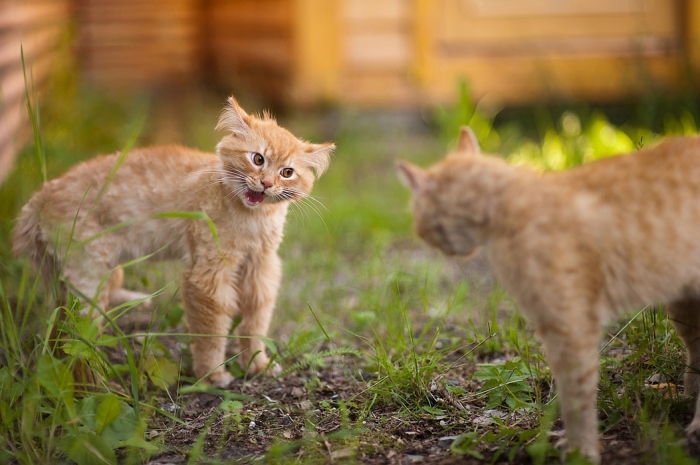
[(138, 171), (668, 168), (155, 161), (144, 181)]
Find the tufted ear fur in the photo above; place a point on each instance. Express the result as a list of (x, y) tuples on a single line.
[(234, 119), (468, 141), (318, 156), (411, 176)]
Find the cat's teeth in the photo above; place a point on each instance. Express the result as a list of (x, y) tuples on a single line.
[(254, 197)]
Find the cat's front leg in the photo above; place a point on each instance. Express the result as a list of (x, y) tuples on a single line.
[(259, 283), (571, 349), (209, 296)]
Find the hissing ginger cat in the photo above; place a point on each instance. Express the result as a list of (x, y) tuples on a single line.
[(575, 248), (246, 189)]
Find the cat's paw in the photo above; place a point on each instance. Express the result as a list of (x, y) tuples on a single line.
[(262, 365), (220, 378), (121, 296), (693, 437)]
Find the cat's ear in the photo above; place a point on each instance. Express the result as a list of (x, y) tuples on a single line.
[(468, 141), (318, 156), (234, 119), (411, 176)]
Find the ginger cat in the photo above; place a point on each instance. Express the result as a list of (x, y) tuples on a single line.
[(575, 248), (246, 189)]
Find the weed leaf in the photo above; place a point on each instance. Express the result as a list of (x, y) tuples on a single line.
[(107, 412), (88, 449), (161, 371)]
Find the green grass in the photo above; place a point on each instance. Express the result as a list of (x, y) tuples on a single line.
[(428, 347)]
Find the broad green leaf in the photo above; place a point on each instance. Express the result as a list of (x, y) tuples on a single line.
[(108, 411), (124, 426), (433, 410), (7, 414), (88, 449), (137, 440), (161, 371), (57, 380)]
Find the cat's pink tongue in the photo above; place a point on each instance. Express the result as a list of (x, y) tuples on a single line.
[(254, 197)]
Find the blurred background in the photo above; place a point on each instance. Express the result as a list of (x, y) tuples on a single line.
[(369, 54)]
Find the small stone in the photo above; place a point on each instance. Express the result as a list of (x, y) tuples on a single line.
[(251, 424), (446, 441), (170, 407), (306, 405)]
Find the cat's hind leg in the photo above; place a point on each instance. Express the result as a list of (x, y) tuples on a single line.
[(259, 283), (118, 295), (90, 281), (685, 315)]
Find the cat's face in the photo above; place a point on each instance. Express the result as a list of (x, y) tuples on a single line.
[(447, 209), (264, 163), (433, 221)]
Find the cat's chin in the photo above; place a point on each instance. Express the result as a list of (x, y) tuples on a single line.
[(253, 198)]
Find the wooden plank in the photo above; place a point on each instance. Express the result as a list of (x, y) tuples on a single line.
[(518, 80), (529, 8), (424, 41), (457, 23), (33, 43), (13, 115), (21, 15), (381, 88), (370, 10), (12, 87), (382, 49), (585, 46), (250, 15), (692, 35), (273, 52), (139, 30)]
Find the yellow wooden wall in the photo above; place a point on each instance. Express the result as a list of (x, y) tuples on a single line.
[(395, 52), (37, 26)]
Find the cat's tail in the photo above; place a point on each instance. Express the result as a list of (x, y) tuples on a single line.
[(28, 240)]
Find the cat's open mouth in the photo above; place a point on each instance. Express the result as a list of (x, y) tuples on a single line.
[(254, 197)]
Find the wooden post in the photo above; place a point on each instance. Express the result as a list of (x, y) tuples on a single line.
[(691, 14), (317, 50)]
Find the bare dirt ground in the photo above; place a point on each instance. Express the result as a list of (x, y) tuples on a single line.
[(320, 415)]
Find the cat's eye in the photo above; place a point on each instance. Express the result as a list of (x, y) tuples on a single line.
[(286, 172), (258, 159)]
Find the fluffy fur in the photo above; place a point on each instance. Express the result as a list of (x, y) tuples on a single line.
[(246, 189), (576, 248)]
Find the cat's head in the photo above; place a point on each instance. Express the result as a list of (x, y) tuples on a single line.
[(264, 163), (450, 207)]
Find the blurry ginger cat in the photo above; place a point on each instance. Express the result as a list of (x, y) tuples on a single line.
[(245, 189), (575, 248)]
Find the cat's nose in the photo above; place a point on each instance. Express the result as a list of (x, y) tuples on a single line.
[(266, 184)]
